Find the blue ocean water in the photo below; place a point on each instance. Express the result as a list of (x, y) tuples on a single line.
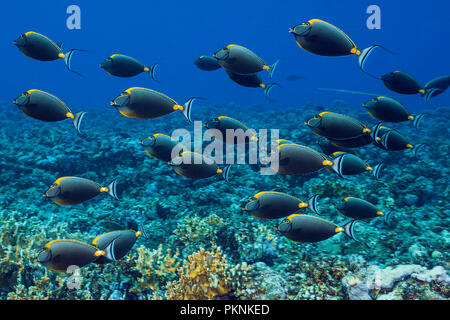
[(185, 216)]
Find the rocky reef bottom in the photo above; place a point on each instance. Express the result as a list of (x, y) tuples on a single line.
[(200, 244)]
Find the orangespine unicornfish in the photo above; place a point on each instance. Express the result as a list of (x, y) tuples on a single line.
[(401, 82), (360, 209), (436, 87), (224, 123), (159, 146), (58, 255), (305, 228), (241, 60), (324, 39), (276, 205), (329, 148), (75, 190), (347, 164), (124, 66), (252, 81), (142, 103), (207, 63), (392, 140), (40, 47), (336, 126), (361, 141), (46, 107), (390, 110), (295, 159), (123, 240), (196, 166)]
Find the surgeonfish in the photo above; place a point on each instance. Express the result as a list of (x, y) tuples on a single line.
[(224, 123), (324, 39), (361, 141), (392, 140), (305, 228), (390, 110), (124, 66), (159, 146), (436, 87), (58, 255), (252, 81), (44, 106), (142, 103), (75, 190), (238, 59), (37, 46), (401, 82), (295, 159), (347, 164), (336, 126), (124, 241), (196, 166), (360, 209), (207, 63), (276, 205)]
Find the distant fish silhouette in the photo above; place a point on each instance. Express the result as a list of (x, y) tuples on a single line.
[(293, 77)]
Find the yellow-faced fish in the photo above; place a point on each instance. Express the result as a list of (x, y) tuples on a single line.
[(124, 241), (207, 63), (403, 83), (324, 39), (124, 66), (37, 46), (436, 87), (159, 146), (241, 60), (295, 159), (390, 110), (276, 205), (224, 123), (58, 255), (304, 228), (142, 103), (74, 190), (360, 209), (46, 107), (252, 81), (347, 164), (195, 166), (336, 126)]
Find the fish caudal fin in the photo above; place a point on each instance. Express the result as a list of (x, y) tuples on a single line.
[(142, 231), (418, 119), (312, 204), (187, 108), (364, 54), (77, 117), (112, 191), (349, 231), (152, 70), (418, 148), (430, 93), (109, 251), (268, 88), (387, 218), (226, 173), (68, 60), (272, 67), (337, 165), (377, 169)]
